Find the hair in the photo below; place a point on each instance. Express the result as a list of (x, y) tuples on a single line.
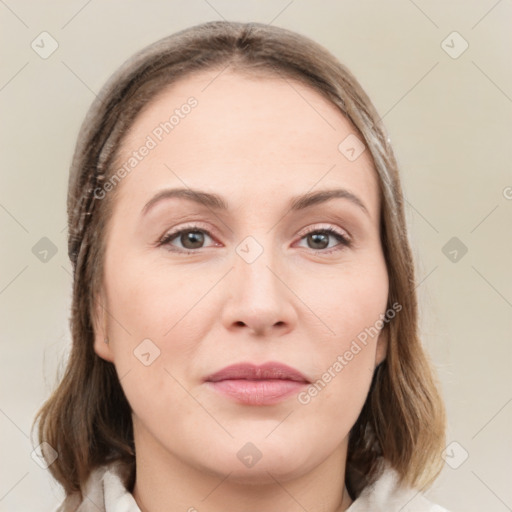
[(87, 419)]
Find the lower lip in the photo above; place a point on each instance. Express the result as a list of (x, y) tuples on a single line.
[(258, 392)]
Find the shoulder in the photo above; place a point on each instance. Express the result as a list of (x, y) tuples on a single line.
[(104, 491), (386, 495)]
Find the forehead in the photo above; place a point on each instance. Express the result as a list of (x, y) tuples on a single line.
[(245, 134)]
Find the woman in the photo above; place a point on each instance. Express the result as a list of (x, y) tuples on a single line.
[(244, 316)]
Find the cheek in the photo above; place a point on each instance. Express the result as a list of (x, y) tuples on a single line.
[(344, 366), (151, 301), (334, 401), (152, 338), (347, 301), (157, 323), (349, 309)]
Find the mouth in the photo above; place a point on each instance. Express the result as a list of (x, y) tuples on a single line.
[(249, 384)]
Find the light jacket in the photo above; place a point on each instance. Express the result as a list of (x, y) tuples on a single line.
[(106, 492)]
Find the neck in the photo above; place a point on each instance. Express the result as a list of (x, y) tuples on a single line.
[(164, 482)]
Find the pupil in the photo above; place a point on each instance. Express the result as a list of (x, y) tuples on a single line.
[(317, 237), (194, 237)]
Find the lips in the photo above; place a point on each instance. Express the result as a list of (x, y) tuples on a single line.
[(267, 371), (249, 384)]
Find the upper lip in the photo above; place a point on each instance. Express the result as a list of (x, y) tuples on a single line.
[(249, 371)]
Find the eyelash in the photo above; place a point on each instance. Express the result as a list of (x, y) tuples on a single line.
[(169, 237)]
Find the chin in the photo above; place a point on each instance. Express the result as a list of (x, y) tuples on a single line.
[(262, 473), (257, 464)]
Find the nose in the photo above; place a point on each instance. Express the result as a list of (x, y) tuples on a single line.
[(259, 299)]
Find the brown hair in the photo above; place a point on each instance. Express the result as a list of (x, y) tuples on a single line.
[(87, 420)]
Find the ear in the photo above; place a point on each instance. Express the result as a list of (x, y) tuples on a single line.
[(99, 320), (382, 345)]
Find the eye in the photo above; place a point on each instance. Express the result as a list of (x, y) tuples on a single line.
[(318, 240), (190, 238)]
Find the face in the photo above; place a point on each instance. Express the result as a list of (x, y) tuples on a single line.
[(245, 273)]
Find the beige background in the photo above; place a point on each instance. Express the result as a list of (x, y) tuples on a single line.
[(450, 122)]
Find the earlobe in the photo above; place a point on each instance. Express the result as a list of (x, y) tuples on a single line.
[(101, 340)]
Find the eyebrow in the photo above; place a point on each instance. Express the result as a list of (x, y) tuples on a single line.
[(216, 202)]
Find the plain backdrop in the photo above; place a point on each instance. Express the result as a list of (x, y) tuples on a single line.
[(438, 72)]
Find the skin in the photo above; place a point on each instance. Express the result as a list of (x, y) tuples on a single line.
[(257, 142)]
